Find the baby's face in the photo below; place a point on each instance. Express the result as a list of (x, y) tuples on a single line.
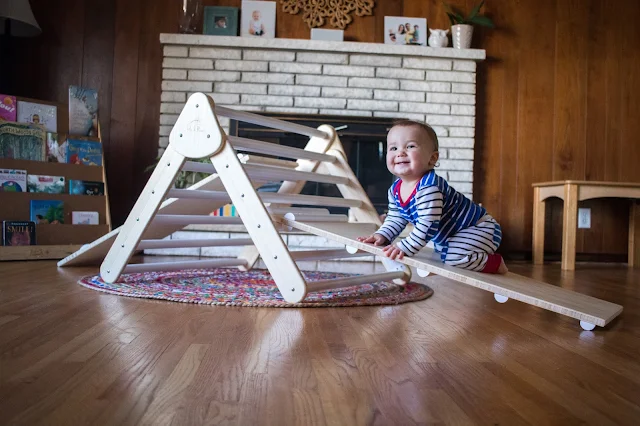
[(256, 15), (410, 152)]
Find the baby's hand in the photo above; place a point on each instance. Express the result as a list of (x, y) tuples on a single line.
[(393, 252), (375, 239)]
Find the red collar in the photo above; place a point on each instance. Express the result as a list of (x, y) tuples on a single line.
[(397, 193)]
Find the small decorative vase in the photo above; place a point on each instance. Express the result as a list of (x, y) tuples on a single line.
[(189, 15), (438, 38), (461, 35)]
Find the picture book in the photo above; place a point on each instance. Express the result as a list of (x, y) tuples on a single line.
[(18, 233), (8, 109), (47, 211), (22, 141), (84, 218), (56, 148), (38, 114), (12, 180), (48, 184), (84, 187), (88, 153), (83, 111)]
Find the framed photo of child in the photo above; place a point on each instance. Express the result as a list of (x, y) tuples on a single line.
[(258, 19), (220, 20), (402, 30)]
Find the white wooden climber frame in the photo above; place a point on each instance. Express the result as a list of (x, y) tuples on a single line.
[(161, 210)]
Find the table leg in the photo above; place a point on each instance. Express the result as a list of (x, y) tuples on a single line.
[(569, 227), (634, 235), (538, 227)]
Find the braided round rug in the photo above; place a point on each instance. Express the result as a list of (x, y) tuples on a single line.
[(231, 287)]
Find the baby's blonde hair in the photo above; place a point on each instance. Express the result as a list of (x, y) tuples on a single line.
[(425, 126)]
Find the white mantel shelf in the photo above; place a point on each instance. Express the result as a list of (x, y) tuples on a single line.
[(322, 46)]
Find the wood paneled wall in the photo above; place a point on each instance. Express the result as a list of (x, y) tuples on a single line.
[(558, 96)]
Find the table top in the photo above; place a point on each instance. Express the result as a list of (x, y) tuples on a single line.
[(587, 183)]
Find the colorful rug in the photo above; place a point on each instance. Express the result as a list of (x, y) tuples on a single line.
[(231, 287)]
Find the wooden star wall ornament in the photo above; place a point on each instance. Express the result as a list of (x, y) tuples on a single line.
[(339, 12)]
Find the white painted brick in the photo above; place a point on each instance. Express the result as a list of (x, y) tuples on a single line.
[(267, 100), (164, 141), (428, 64), (292, 110), (215, 53), (171, 74), (168, 119), (176, 51), (463, 88), (259, 77), (464, 66), (187, 86), (160, 150), (225, 98), (339, 92), (268, 55), (373, 83), (275, 89), (400, 73), (451, 120), (173, 97), (324, 80), (348, 70), (424, 108), (320, 102), (374, 60), (227, 65), (372, 105), (443, 153), (425, 86), (440, 131), (451, 98), (464, 187), (171, 108), (295, 68), (456, 165), (469, 195), (462, 132), (346, 112), (224, 121), (396, 95), (454, 76), (461, 176), (322, 58), (165, 130), (461, 154), (405, 115), (244, 88), (463, 110), (457, 142), (214, 75), (200, 64)]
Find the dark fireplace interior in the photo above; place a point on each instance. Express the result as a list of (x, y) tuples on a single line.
[(364, 141)]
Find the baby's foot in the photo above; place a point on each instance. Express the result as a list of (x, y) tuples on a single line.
[(502, 269)]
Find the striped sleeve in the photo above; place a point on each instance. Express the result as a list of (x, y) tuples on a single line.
[(428, 203), (394, 223)]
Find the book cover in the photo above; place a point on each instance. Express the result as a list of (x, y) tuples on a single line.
[(38, 114), (12, 180), (18, 233), (83, 111), (85, 187), (47, 184), (56, 148), (85, 218), (88, 153), (47, 211), (22, 141), (8, 108)]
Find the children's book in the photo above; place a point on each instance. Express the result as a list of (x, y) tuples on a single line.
[(84, 218), (38, 114), (47, 211), (8, 108), (48, 184), (83, 111), (88, 153), (12, 180), (56, 148), (85, 187), (22, 141), (18, 233)]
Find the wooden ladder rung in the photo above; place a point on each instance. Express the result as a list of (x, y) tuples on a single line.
[(350, 281), (204, 242), (267, 148), (177, 266)]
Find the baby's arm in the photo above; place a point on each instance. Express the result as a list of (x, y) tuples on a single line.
[(429, 203)]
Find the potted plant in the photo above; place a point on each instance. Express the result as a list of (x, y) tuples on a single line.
[(462, 28)]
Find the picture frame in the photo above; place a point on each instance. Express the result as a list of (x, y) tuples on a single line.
[(402, 30), (220, 21), (258, 19)]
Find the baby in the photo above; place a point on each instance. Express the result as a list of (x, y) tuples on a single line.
[(462, 231), (256, 27)]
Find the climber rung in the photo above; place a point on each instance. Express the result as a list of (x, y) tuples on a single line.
[(268, 148), (325, 254), (190, 219), (302, 217), (300, 210), (360, 279), (206, 242), (273, 123), (268, 197), (177, 266)]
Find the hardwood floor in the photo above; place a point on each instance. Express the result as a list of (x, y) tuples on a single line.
[(73, 356)]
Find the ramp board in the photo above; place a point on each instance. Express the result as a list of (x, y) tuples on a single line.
[(587, 309)]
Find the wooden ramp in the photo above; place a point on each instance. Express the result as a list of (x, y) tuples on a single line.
[(589, 310)]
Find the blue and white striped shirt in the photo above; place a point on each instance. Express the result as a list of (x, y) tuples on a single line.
[(436, 210)]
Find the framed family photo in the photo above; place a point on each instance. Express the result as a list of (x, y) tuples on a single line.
[(220, 20), (402, 30), (258, 19)]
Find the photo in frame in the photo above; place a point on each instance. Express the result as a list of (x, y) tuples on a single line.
[(401, 30), (220, 20), (258, 19)]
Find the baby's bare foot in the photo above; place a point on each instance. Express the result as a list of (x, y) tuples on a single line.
[(503, 267)]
